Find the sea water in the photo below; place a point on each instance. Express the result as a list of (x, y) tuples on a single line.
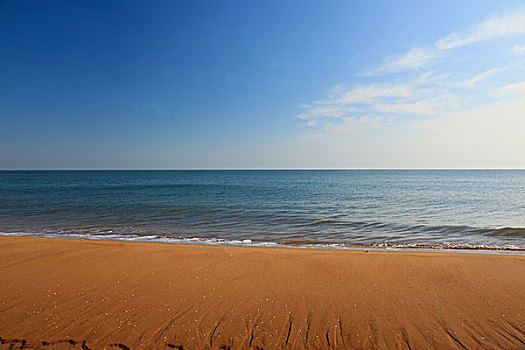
[(317, 208)]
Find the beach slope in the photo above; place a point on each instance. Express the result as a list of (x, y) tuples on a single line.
[(86, 294)]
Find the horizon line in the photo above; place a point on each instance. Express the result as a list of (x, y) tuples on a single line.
[(242, 169)]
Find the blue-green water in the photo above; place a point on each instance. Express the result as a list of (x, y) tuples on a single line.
[(465, 208)]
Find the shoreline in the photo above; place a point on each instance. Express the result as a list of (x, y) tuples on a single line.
[(200, 241), (77, 294)]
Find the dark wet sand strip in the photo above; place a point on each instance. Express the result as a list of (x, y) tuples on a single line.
[(79, 294)]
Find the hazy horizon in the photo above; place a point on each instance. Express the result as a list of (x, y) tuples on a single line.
[(244, 85), (244, 169)]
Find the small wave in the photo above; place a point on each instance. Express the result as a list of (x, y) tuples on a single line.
[(51, 211), (172, 210), (420, 228), (295, 243), (494, 232), (508, 232), (317, 223)]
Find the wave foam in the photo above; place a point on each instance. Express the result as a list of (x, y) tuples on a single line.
[(507, 249)]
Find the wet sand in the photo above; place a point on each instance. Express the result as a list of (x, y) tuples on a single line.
[(80, 294)]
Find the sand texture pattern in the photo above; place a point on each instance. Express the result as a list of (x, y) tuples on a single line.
[(80, 294)]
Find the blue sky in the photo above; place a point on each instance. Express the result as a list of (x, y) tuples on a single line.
[(262, 84)]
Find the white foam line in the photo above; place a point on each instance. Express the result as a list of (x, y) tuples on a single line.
[(455, 248)]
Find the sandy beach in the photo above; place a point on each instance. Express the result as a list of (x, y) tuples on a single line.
[(86, 294)]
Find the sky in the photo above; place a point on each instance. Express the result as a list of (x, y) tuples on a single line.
[(262, 84)]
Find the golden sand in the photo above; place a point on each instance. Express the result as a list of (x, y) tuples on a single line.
[(79, 294)]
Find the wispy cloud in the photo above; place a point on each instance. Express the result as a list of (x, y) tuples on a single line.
[(326, 110), (519, 49), (439, 88), (353, 107), (371, 93), (495, 27), (471, 82), (516, 89), (416, 58), (428, 107)]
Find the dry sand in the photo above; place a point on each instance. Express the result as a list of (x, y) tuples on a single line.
[(79, 294)]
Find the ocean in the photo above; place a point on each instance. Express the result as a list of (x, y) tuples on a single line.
[(384, 209)]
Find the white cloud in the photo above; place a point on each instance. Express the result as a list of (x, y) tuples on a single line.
[(430, 107), (519, 49), (416, 58), (328, 111), (482, 137), (471, 82), (344, 104), (495, 27), (448, 114), (373, 121), (511, 90), (371, 93), (419, 57), (355, 124), (311, 123)]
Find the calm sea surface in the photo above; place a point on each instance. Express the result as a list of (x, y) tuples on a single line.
[(337, 208)]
